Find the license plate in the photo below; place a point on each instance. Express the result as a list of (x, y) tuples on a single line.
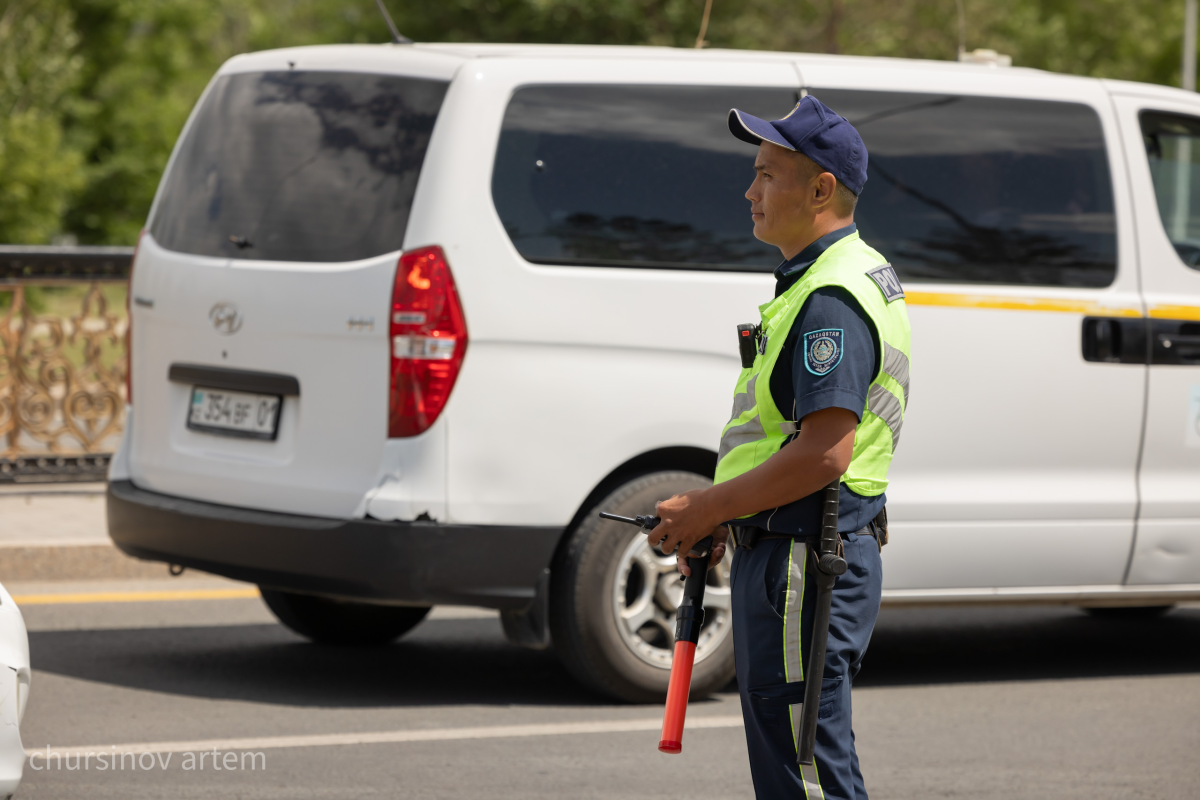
[(240, 414)]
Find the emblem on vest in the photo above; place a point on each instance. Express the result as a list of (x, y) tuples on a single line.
[(885, 277), (822, 350)]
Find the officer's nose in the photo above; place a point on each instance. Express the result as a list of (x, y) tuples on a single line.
[(754, 190)]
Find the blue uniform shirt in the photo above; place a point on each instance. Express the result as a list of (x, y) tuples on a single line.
[(798, 390)]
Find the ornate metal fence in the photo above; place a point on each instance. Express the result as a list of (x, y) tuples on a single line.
[(62, 363)]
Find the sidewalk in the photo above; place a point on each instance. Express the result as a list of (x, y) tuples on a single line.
[(57, 531)]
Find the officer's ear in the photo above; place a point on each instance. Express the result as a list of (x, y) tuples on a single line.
[(820, 184), (824, 189)]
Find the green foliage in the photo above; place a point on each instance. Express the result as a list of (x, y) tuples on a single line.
[(93, 93), (39, 169), (1137, 40)]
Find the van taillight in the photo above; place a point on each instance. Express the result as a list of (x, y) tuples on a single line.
[(428, 338), (129, 323)]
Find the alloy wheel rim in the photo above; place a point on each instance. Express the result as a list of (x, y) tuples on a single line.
[(646, 593)]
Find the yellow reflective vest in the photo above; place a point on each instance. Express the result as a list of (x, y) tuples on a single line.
[(758, 429)]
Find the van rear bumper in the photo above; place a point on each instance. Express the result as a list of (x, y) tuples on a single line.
[(423, 563)]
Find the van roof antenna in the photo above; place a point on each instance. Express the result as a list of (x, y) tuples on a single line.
[(397, 37)]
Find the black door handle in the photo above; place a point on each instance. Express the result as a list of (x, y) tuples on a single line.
[(1176, 342), (1114, 340), (1120, 340)]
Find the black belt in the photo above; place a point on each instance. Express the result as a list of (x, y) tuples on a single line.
[(747, 535)]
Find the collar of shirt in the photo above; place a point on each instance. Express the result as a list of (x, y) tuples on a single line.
[(790, 271)]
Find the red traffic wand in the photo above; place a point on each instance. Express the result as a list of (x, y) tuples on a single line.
[(688, 622), (687, 633)]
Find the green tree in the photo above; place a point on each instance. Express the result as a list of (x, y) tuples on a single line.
[(1139, 41), (39, 167), (1136, 40)]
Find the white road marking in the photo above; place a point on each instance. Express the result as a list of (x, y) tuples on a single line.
[(392, 737)]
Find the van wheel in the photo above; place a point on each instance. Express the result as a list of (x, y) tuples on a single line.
[(328, 621), (1128, 612), (614, 597)]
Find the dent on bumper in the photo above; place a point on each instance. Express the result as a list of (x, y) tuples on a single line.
[(423, 563)]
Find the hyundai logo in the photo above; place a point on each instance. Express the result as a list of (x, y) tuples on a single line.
[(226, 318)]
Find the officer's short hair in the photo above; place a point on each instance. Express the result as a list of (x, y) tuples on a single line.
[(846, 199)]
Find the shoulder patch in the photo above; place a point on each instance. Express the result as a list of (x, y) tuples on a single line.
[(822, 350), (885, 278)]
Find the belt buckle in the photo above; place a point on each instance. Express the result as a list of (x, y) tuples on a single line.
[(747, 535)]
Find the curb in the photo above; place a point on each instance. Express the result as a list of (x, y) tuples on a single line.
[(70, 519), (47, 488), (73, 562)]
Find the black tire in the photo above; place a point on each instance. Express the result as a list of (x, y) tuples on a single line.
[(1128, 612), (583, 619), (342, 622)]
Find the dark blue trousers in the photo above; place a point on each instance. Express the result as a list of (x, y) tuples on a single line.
[(773, 602)]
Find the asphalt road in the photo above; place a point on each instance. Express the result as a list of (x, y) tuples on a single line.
[(983, 703)]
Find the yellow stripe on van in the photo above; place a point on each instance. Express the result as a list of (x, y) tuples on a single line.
[(1020, 304), (1175, 312)]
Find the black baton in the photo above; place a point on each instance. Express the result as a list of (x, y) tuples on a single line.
[(828, 565)]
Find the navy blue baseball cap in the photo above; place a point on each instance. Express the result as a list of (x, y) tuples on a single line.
[(814, 130)]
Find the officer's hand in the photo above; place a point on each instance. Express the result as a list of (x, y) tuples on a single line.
[(720, 538), (685, 519)]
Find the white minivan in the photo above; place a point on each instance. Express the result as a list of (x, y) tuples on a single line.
[(404, 317)]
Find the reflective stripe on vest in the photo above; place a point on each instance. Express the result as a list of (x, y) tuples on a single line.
[(895, 364), (884, 405), (739, 435), (757, 429)]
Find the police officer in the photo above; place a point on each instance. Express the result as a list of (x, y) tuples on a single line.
[(824, 399)]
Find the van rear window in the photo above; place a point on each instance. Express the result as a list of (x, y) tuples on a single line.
[(631, 176), (983, 189), (299, 166)]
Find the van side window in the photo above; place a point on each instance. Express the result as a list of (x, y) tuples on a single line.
[(971, 189), (1173, 148), (299, 166), (632, 176)]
